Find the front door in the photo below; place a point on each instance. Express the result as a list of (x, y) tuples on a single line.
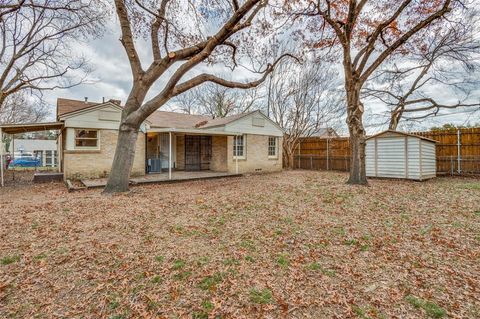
[(198, 152)]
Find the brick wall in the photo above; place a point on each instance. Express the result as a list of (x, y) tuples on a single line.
[(257, 159), (94, 164), (219, 154)]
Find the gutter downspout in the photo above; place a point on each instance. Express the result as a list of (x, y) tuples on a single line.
[(169, 155), (236, 157)]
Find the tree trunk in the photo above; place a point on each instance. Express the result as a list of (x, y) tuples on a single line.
[(119, 177), (395, 117), (358, 174)]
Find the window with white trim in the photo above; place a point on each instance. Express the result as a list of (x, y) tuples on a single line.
[(272, 146), (86, 138), (239, 146)]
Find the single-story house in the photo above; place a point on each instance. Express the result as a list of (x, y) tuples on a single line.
[(243, 143)]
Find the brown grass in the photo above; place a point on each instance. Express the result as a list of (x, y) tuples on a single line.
[(288, 245)]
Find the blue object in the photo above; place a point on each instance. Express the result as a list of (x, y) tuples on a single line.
[(25, 162)]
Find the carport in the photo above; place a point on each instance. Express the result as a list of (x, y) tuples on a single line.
[(23, 128)]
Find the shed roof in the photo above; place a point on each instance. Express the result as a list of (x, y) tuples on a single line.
[(402, 133)]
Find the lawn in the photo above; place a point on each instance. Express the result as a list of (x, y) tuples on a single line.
[(295, 244)]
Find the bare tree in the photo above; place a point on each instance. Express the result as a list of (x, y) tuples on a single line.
[(23, 108), (449, 63), (218, 101), (178, 48), (36, 39), (302, 101), (368, 32)]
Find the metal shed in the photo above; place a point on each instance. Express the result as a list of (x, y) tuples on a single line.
[(394, 154)]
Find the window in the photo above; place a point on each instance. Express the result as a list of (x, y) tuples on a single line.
[(239, 146), (272, 146), (86, 138)]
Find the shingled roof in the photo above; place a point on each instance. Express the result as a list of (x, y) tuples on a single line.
[(65, 106), (158, 118)]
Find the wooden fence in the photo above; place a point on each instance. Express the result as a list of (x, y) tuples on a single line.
[(458, 152)]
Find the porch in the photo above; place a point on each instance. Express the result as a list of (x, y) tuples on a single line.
[(160, 178), (187, 151)]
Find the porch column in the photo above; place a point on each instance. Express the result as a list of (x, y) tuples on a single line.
[(169, 155), (1, 154), (235, 152)]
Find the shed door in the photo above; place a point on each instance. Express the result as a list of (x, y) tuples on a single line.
[(198, 152)]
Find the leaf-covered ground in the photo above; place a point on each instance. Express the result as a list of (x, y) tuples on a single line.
[(295, 244)]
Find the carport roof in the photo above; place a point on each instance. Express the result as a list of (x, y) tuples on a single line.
[(30, 127)]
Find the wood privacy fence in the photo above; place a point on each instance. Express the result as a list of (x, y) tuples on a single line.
[(458, 152)]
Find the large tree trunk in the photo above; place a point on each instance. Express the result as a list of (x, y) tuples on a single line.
[(358, 174), (119, 177)]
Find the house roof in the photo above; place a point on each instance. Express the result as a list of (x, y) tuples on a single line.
[(65, 106), (158, 119), (402, 133), (219, 121), (177, 120)]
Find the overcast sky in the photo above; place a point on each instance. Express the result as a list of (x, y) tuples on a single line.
[(111, 79)]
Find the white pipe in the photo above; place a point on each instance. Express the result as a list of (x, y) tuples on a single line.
[(169, 155), (1, 154), (235, 143)]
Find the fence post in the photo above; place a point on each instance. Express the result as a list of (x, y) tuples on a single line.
[(459, 151), (328, 155), (311, 162), (299, 155)]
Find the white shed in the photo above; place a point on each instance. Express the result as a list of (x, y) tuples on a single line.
[(394, 154)]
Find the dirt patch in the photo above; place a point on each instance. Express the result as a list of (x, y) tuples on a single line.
[(296, 244)]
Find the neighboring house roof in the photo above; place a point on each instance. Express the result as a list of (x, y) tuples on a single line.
[(401, 133), (27, 145), (324, 132)]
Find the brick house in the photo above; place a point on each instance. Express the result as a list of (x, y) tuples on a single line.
[(167, 141)]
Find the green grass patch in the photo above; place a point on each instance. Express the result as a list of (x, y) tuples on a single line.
[(314, 266), (7, 260), (283, 260), (474, 186), (156, 279), (231, 262), (40, 256), (261, 297), (431, 309), (250, 259), (159, 259), (210, 282), (182, 275), (350, 242), (178, 264)]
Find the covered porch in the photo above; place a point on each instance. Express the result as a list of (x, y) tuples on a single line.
[(183, 152)]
